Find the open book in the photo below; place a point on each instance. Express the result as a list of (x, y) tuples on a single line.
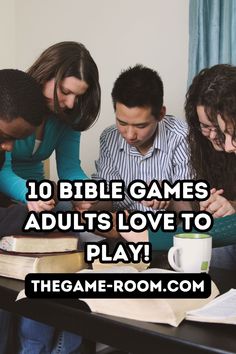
[(170, 311), (220, 310)]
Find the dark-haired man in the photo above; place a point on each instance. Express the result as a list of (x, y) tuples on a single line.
[(145, 144), (22, 108)]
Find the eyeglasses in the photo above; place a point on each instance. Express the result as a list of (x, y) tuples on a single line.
[(207, 129)]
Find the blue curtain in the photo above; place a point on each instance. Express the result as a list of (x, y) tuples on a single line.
[(212, 34)]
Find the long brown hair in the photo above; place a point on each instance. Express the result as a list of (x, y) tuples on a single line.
[(66, 59), (215, 90)]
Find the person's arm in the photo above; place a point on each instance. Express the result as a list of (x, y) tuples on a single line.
[(94, 205), (12, 219), (15, 187), (106, 170), (217, 204), (223, 233), (69, 167), (11, 184), (67, 156)]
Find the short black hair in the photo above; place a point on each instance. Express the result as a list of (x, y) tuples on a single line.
[(21, 96), (139, 86)]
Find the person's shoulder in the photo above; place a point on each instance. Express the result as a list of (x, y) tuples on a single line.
[(110, 132), (175, 125)]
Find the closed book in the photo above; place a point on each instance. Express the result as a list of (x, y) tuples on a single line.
[(53, 242), (18, 265)]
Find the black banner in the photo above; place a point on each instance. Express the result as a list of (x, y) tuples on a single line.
[(118, 285)]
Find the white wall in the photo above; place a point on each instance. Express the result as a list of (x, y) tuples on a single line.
[(7, 34), (118, 33)]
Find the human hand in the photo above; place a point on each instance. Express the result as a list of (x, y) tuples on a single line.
[(113, 233), (108, 234), (217, 205), (156, 204), (132, 236), (41, 205), (83, 205), (129, 236)]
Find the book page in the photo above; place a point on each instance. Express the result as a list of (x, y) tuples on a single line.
[(98, 266), (170, 311), (113, 269), (222, 309), (21, 295), (158, 270), (120, 268)]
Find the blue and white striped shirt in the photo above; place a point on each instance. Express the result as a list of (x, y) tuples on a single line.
[(167, 159)]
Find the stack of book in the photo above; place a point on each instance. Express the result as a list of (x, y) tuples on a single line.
[(52, 253)]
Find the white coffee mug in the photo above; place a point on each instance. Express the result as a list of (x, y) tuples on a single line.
[(191, 253)]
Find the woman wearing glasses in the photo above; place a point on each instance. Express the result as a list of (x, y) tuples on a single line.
[(211, 115), (212, 96)]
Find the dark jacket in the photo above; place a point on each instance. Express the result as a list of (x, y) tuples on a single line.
[(11, 218)]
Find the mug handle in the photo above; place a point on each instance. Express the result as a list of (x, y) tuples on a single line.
[(171, 257)]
